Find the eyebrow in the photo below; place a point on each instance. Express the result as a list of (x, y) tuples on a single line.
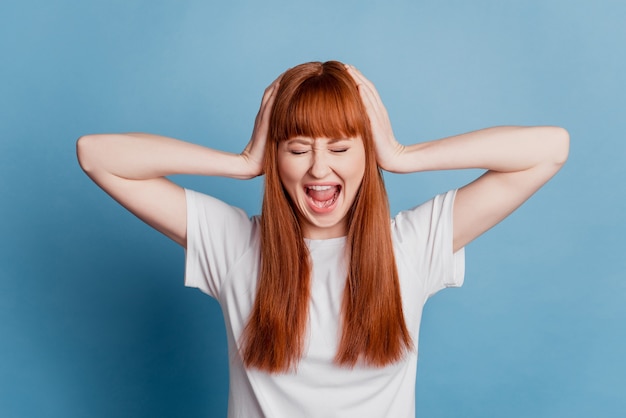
[(304, 141)]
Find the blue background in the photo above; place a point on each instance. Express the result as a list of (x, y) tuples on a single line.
[(94, 319)]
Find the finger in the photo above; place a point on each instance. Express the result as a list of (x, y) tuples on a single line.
[(268, 100), (269, 92), (372, 101), (356, 75), (271, 96), (359, 78), (367, 89)]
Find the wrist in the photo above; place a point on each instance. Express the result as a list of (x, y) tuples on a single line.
[(393, 160), (247, 167)]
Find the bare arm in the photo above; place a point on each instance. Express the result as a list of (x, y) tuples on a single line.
[(518, 160), (132, 169)]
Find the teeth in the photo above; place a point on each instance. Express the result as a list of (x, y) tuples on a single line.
[(319, 188)]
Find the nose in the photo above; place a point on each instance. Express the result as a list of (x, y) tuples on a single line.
[(319, 164)]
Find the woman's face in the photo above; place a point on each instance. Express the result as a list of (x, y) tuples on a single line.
[(322, 177)]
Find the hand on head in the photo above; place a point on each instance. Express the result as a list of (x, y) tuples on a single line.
[(387, 148), (255, 150)]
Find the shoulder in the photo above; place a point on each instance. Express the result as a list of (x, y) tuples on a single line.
[(423, 244), (434, 213), (222, 221), (206, 202), (203, 204), (219, 236)]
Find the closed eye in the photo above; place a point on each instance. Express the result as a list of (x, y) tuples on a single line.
[(297, 152), (340, 150)]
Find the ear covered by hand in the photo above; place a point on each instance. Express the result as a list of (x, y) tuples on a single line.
[(254, 152), (387, 148)]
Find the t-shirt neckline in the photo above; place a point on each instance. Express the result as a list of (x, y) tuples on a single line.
[(328, 242)]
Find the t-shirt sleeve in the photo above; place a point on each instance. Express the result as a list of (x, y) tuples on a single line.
[(217, 236), (423, 238)]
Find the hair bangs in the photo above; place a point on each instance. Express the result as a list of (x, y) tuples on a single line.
[(324, 107)]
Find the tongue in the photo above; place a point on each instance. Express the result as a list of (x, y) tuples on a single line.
[(323, 195)]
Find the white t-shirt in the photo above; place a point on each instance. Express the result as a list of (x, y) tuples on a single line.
[(222, 260)]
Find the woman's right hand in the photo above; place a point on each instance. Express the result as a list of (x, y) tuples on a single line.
[(254, 152), (133, 169)]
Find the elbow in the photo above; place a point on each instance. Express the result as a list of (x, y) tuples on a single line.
[(561, 139), (556, 143), (85, 152)]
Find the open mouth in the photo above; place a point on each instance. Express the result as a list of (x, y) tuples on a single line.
[(323, 197)]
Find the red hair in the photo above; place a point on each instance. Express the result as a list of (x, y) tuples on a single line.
[(322, 100)]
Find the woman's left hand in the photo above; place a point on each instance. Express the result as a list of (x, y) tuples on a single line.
[(388, 149)]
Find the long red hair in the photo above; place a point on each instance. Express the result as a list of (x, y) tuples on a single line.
[(322, 100)]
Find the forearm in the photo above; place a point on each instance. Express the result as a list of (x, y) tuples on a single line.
[(502, 149), (143, 156)]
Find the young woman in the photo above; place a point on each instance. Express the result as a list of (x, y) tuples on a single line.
[(322, 293)]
